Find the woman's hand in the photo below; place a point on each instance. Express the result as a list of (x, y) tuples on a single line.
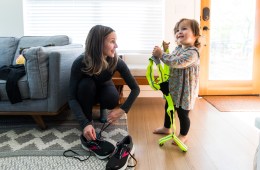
[(115, 114), (157, 52), (89, 132)]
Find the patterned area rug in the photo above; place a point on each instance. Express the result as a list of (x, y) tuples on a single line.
[(235, 103), (23, 144), (20, 136)]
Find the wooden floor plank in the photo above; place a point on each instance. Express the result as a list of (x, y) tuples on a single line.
[(217, 140)]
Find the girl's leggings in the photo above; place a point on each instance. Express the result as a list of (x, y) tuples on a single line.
[(91, 92), (183, 117)]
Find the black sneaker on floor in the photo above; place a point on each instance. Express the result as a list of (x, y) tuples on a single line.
[(101, 148), (119, 159)]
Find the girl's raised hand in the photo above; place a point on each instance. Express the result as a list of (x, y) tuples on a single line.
[(157, 52)]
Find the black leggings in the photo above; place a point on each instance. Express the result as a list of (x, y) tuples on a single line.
[(183, 117), (91, 92)]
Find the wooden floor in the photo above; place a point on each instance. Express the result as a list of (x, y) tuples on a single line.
[(217, 140)]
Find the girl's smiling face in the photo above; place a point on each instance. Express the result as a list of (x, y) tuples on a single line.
[(184, 34), (110, 45)]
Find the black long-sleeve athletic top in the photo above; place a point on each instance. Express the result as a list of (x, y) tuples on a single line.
[(77, 75)]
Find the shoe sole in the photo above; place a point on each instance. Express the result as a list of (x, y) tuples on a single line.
[(132, 153), (99, 157)]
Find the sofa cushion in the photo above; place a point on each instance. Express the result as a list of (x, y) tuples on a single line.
[(23, 87), (34, 41), (37, 71), (8, 47)]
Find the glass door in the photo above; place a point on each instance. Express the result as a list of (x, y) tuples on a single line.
[(230, 61)]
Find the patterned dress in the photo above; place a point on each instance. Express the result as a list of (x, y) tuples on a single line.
[(184, 76)]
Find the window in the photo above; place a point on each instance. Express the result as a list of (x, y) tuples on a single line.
[(139, 24), (232, 40)]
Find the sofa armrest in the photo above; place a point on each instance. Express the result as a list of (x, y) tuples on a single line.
[(60, 63)]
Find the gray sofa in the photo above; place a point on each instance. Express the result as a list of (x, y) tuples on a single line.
[(44, 87)]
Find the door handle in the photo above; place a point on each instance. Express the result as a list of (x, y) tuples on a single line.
[(205, 28), (206, 14)]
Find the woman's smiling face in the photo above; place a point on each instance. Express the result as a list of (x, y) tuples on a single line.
[(110, 45)]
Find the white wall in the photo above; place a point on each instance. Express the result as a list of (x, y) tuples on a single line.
[(11, 18)]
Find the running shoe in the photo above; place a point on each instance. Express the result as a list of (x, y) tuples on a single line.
[(119, 159), (101, 148)]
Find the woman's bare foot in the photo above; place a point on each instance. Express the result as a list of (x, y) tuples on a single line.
[(182, 138), (162, 130)]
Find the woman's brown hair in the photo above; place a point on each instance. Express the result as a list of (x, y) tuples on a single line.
[(94, 60)]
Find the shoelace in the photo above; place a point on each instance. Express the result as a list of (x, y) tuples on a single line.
[(102, 129), (72, 154), (76, 155)]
